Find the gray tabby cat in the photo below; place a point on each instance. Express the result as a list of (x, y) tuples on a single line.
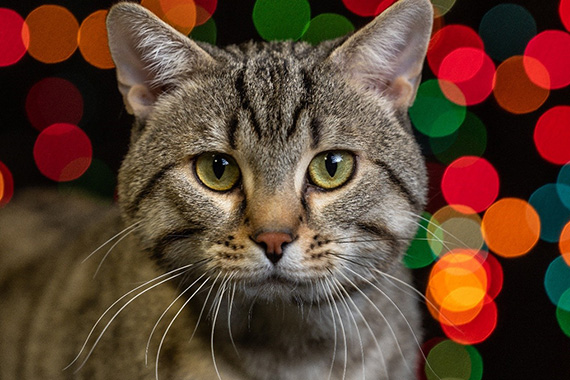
[(268, 195)]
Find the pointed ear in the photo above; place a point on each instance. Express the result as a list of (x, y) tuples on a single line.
[(149, 55), (386, 56)]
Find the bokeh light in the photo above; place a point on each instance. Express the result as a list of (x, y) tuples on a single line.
[(553, 213), (471, 71), (557, 282), (469, 140), (511, 227), (495, 275), (563, 181), (514, 91), (7, 184), (53, 100), (207, 32), (563, 312), (457, 286), (448, 39), (327, 26), (204, 10), (552, 49), (478, 329), (564, 12), (281, 19), (453, 227), (506, 29), (441, 7), (98, 180), (367, 7), (450, 360), (470, 181), (419, 253), (564, 243), (15, 37), (93, 41), (62, 152), (552, 135), (433, 114), (180, 14), (53, 33)]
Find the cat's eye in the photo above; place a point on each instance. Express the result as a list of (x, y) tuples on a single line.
[(217, 171), (331, 169)]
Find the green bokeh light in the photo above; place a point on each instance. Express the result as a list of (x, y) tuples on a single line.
[(448, 360), (433, 114), (563, 312), (419, 253), (476, 363), (506, 29), (207, 32), (281, 19), (469, 140), (98, 180), (327, 26)]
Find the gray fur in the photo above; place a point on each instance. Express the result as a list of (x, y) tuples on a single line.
[(334, 303)]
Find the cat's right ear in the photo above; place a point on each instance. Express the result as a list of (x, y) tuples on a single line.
[(149, 55), (385, 58)]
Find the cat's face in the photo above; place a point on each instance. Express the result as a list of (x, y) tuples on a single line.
[(286, 167)]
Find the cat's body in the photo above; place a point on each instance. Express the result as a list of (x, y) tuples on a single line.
[(271, 273)]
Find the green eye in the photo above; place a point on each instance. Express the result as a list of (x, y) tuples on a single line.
[(331, 169), (217, 171)]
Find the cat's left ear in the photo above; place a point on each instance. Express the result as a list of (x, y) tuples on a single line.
[(149, 54), (386, 56)]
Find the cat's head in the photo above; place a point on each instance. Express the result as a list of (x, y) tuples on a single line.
[(280, 165)]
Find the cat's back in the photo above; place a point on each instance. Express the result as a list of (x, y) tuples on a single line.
[(39, 224), (44, 236)]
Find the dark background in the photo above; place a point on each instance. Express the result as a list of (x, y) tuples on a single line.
[(527, 343)]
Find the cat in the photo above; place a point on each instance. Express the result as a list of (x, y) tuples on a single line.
[(266, 200)]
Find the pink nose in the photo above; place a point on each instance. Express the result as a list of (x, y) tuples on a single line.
[(273, 242)]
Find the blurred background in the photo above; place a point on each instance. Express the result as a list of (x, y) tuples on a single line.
[(492, 115)]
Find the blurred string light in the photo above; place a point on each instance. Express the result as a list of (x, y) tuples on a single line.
[(53, 33), (450, 360), (506, 29), (514, 91), (552, 134), (281, 19), (180, 14), (552, 49), (564, 12), (53, 100), (7, 184), (93, 42), (15, 37), (63, 152)]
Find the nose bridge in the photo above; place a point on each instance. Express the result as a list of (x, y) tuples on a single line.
[(274, 212)]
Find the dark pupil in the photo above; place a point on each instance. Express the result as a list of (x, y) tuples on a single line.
[(219, 166), (331, 163)]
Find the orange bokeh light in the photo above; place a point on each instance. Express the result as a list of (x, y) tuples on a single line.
[(511, 227), (564, 243), (52, 32), (93, 41), (180, 14), (513, 89)]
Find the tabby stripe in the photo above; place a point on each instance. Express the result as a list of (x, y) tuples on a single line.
[(380, 231), (133, 208), (397, 181), (232, 130), (240, 88), (171, 237), (306, 99), (315, 129)]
